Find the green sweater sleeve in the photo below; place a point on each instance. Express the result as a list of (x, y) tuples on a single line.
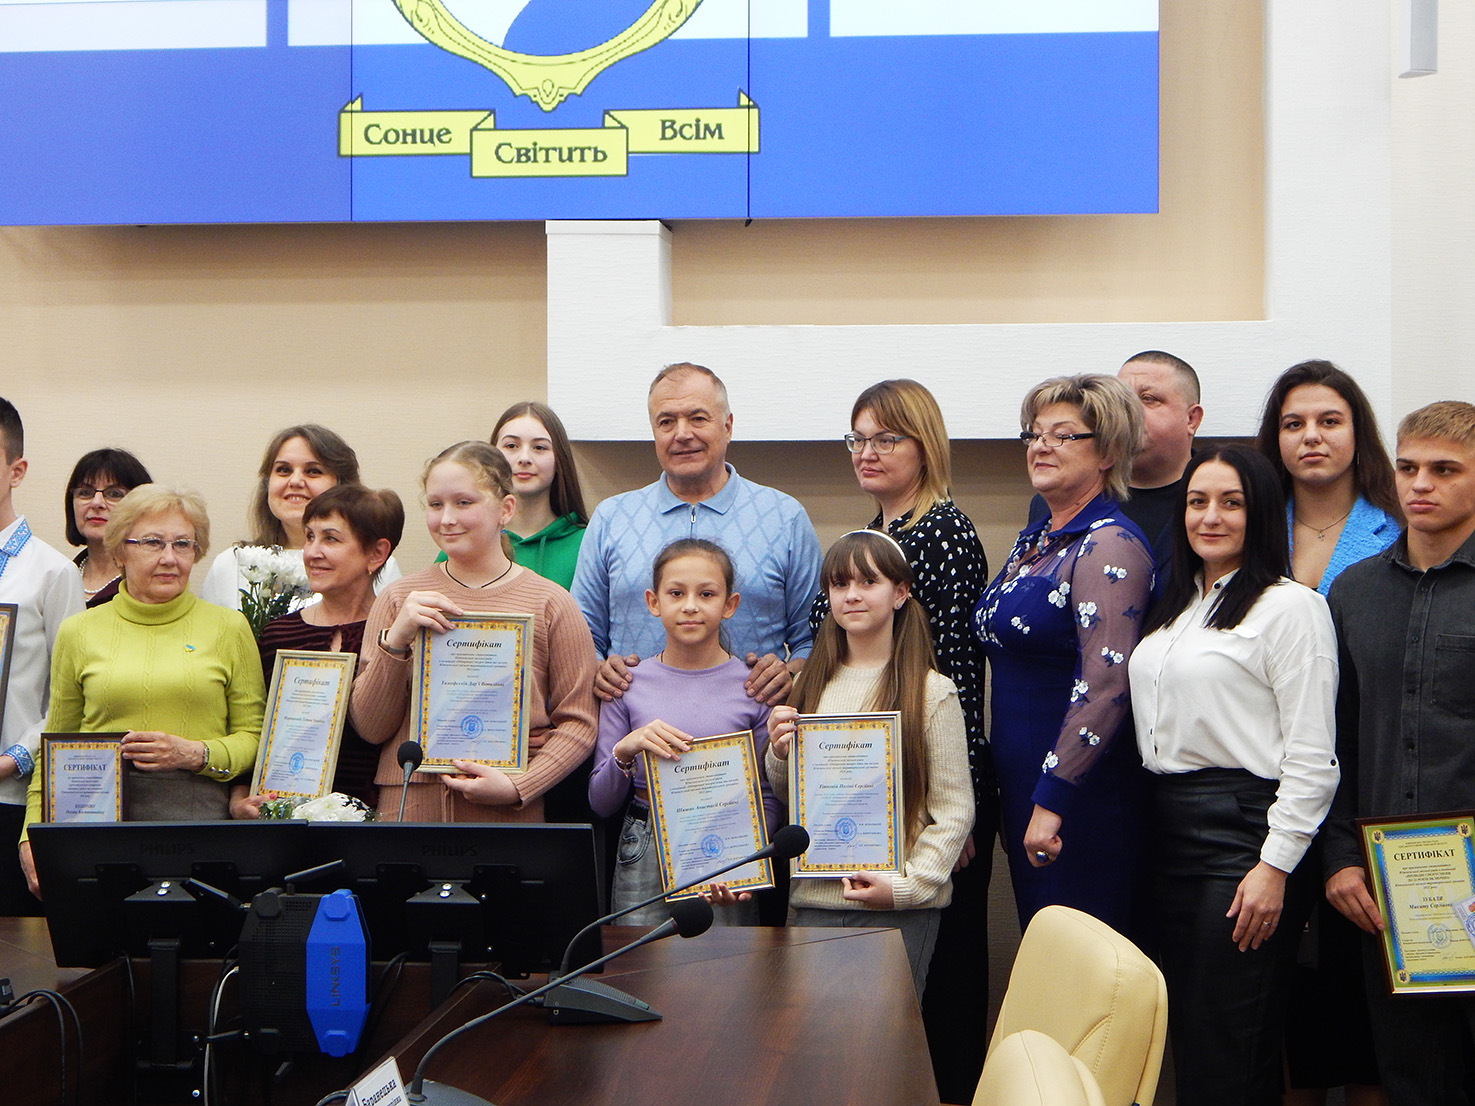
[(245, 704)]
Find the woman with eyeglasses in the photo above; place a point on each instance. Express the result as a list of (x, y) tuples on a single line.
[(902, 459), (1059, 623), (98, 481), (181, 677)]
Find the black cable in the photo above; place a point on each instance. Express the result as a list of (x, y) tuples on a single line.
[(336, 1096), (130, 1045), (380, 1001), (59, 1004), (228, 968), (513, 990)]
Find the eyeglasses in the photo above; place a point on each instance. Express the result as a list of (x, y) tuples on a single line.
[(112, 493), (183, 547), (881, 443), (1029, 437)]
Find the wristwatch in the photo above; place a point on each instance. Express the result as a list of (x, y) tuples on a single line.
[(402, 654)]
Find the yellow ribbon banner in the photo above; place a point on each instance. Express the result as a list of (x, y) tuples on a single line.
[(690, 130), (549, 152), (405, 133), (544, 152)]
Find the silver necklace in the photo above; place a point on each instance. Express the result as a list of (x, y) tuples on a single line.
[(1321, 531)]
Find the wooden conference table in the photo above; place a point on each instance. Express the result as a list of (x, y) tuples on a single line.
[(782, 1016)]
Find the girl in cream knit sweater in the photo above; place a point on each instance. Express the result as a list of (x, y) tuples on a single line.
[(873, 653)]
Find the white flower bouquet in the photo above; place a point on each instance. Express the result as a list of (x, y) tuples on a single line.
[(333, 807), (276, 583)]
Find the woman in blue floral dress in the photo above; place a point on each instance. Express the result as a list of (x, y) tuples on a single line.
[(1058, 624)]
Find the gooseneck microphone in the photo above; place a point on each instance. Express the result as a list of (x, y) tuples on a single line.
[(787, 843), (409, 755), (579, 1002), (689, 918)]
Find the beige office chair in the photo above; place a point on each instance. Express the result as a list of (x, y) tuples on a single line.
[(1094, 992), (1031, 1069)]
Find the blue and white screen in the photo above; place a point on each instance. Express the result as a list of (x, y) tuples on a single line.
[(211, 111)]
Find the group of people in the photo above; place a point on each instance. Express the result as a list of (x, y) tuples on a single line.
[(1186, 714)]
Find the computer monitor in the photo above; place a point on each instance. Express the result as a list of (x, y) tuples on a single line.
[(511, 893), (515, 893), (110, 887)]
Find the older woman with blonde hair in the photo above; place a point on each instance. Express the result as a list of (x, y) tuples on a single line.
[(181, 676), (1058, 624)]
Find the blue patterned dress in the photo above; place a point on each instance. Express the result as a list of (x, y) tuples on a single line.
[(1058, 624)]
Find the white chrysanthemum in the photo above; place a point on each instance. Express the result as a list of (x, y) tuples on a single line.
[(1019, 624), (334, 807), (1079, 691), (1112, 656), (1087, 612), (1051, 760), (255, 563), (1113, 572)]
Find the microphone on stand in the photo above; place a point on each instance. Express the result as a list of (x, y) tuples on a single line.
[(689, 918), (589, 1000), (409, 755)]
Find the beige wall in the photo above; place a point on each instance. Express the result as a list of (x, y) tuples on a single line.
[(1434, 223), (192, 345)]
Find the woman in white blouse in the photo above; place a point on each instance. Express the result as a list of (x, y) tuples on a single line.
[(299, 463), (1233, 687)]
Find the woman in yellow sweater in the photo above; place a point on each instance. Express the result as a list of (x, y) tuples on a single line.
[(181, 676)]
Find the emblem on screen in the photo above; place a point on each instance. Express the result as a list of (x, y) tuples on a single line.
[(477, 31), (520, 41)]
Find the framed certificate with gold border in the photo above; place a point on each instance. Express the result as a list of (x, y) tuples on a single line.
[(706, 810), (1423, 875), (84, 774), (471, 691), (845, 789), (306, 707)]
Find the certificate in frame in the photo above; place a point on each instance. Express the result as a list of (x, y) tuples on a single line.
[(7, 639), (84, 775), (845, 789), (1423, 877), (306, 707), (471, 691), (706, 810)]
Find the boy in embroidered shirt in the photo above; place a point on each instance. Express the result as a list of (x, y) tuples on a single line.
[(44, 587)]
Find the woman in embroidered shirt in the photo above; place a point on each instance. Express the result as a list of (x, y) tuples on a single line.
[(1233, 688), (1058, 624)]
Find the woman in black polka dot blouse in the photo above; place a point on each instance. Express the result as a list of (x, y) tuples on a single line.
[(899, 449)]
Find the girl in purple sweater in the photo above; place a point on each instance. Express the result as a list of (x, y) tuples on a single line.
[(694, 687)]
